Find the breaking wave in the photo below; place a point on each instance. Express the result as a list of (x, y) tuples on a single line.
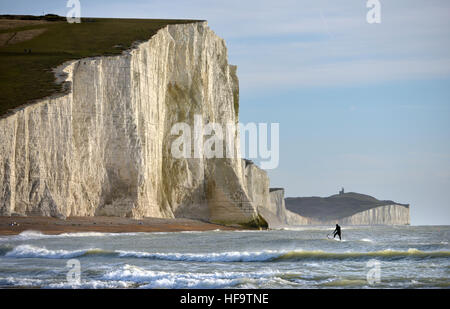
[(29, 251), (130, 276), (384, 254), (162, 279), (50, 284), (33, 235), (261, 256)]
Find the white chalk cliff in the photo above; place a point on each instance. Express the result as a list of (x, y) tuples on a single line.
[(382, 215), (103, 148)]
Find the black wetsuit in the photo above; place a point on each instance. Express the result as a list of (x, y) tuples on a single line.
[(337, 231)]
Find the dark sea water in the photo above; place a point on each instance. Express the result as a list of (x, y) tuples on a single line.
[(368, 257)]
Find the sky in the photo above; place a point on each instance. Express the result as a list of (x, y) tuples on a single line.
[(360, 106)]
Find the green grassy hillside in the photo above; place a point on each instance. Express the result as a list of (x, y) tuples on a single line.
[(335, 206), (26, 66)]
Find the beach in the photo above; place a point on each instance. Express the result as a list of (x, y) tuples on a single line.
[(48, 225)]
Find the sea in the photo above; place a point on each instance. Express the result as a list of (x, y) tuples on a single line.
[(298, 257)]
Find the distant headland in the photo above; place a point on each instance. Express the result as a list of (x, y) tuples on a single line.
[(350, 208)]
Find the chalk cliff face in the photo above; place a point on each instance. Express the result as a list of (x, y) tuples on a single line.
[(382, 215), (275, 213), (104, 147), (347, 208), (389, 214)]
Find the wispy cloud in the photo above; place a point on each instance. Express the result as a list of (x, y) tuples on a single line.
[(304, 43), (412, 42)]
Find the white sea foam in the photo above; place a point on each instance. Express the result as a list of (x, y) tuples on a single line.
[(132, 276), (244, 256), (192, 232), (84, 284), (33, 235), (248, 231), (312, 264), (15, 281), (305, 228), (89, 284), (25, 235), (367, 240), (28, 251), (162, 279)]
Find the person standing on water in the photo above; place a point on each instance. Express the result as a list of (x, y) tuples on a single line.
[(337, 231)]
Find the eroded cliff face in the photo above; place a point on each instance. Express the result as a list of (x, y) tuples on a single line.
[(382, 215), (104, 147), (278, 216), (393, 214), (275, 213)]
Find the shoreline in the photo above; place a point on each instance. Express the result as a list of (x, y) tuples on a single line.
[(54, 226)]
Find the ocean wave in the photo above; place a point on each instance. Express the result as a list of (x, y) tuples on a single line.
[(29, 251), (25, 235), (89, 284), (345, 283), (162, 279), (304, 228), (5, 249), (259, 256), (130, 276), (277, 256), (51, 284), (25, 282), (33, 235), (383, 254), (319, 228)]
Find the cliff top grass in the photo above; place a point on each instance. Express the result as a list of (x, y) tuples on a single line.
[(31, 46), (335, 206)]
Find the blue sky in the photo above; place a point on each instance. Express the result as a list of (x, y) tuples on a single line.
[(364, 106)]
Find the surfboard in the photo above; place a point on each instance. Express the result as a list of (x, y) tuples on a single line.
[(335, 238)]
